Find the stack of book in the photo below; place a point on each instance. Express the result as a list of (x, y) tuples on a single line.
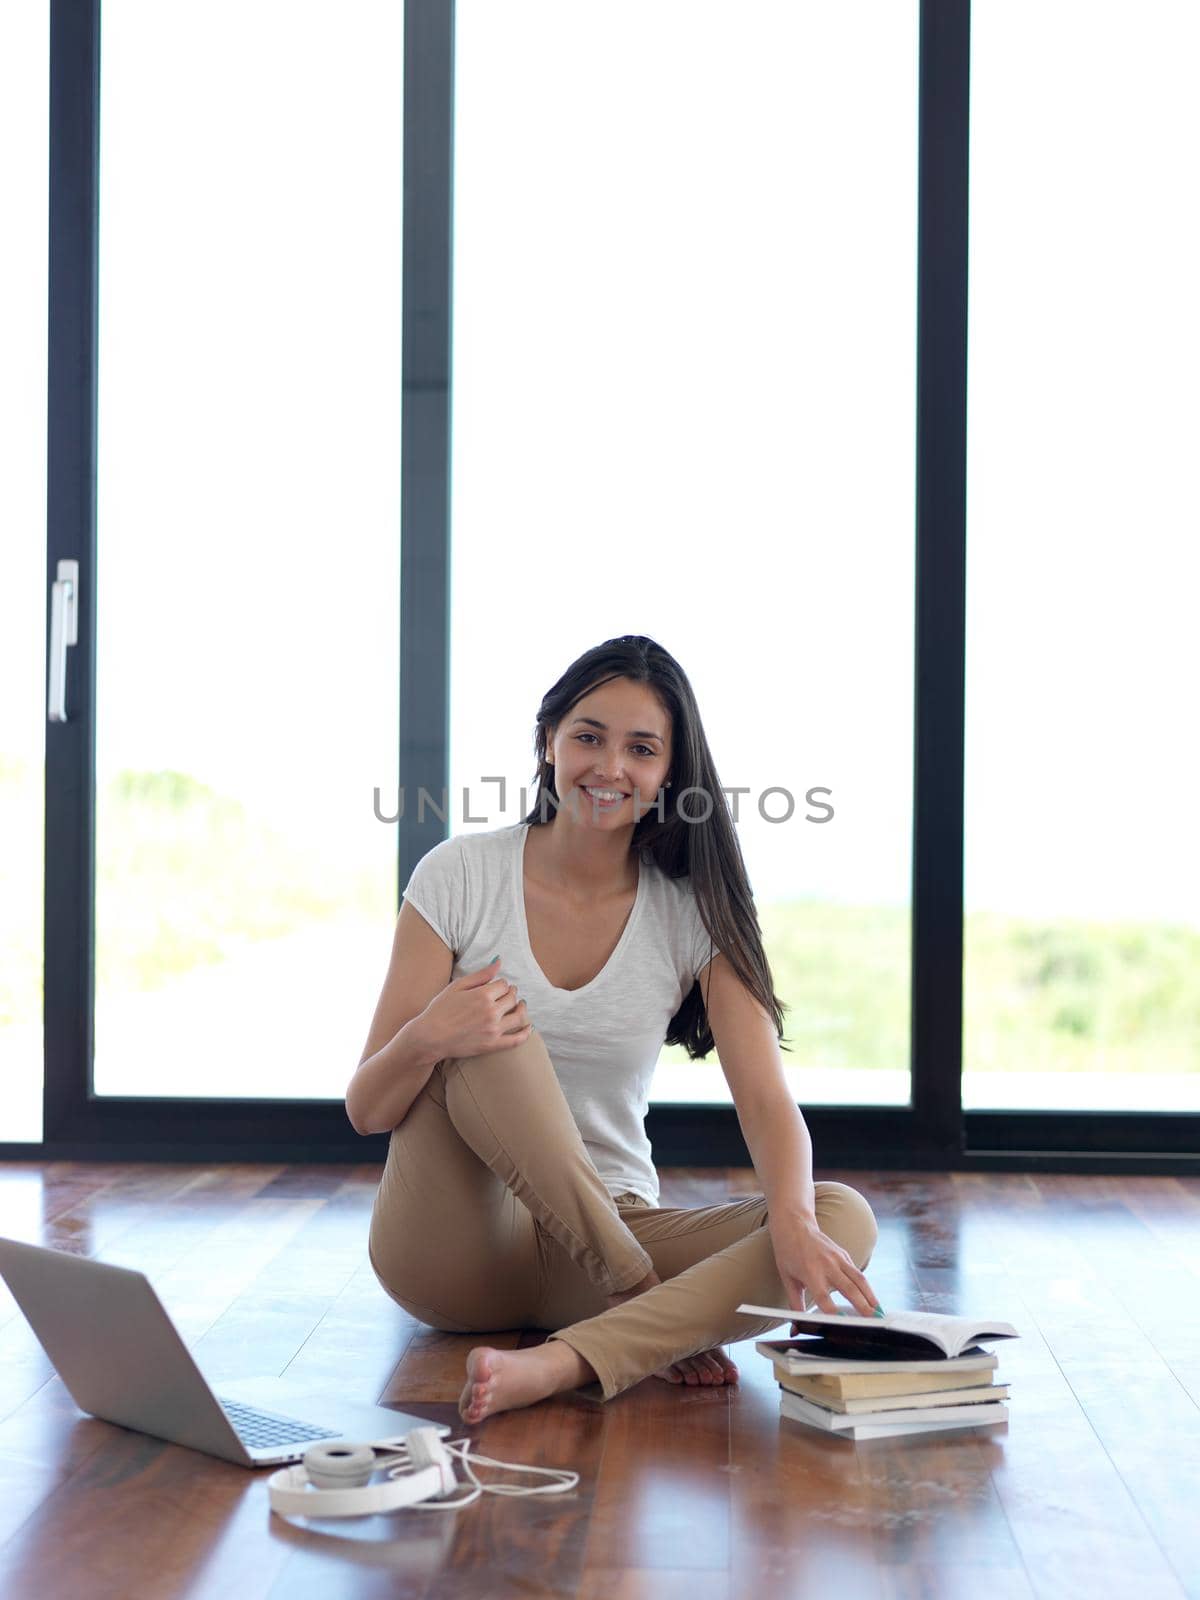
[(871, 1377)]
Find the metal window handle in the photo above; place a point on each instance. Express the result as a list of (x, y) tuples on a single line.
[(64, 631)]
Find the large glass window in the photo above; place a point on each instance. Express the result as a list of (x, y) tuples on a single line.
[(1082, 935), (24, 128), (248, 542), (684, 379)]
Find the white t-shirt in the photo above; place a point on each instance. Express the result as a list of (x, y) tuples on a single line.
[(605, 1038)]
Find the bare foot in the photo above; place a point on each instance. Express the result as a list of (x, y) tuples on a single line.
[(708, 1367), (502, 1380)]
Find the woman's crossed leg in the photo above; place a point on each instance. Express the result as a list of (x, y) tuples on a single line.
[(490, 1215)]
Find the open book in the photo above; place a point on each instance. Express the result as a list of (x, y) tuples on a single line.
[(894, 1337)]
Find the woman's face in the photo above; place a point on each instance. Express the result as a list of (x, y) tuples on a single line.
[(629, 752)]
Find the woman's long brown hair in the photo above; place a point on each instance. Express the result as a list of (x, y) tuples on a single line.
[(706, 850)]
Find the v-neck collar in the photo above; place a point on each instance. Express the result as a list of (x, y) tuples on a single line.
[(523, 831)]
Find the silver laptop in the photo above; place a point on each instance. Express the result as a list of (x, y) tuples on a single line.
[(122, 1359)]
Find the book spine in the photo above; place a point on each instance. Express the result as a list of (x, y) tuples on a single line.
[(883, 1384), (808, 1410), (873, 1430), (903, 1402), (789, 1368)]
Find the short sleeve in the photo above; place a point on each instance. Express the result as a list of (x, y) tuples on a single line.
[(701, 947), (438, 889)]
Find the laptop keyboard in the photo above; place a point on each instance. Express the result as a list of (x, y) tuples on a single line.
[(259, 1428)]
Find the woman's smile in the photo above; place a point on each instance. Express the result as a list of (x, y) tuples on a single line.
[(605, 799)]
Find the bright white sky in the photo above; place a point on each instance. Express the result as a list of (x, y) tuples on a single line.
[(683, 405)]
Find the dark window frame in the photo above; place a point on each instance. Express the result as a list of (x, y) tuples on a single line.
[(933, 1132)]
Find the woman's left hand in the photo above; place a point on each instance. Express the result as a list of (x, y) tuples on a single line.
[(809, 1259)]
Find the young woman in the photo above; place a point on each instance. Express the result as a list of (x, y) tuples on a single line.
[(536, 972)]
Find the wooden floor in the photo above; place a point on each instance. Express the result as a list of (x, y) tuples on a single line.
[(1091, 1488)]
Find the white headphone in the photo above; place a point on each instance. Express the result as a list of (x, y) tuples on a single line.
[(333, 1479)]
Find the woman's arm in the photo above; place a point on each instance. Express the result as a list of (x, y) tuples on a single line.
[(385, 1085), (810, 1264), (780, 1147), (776, 1134)]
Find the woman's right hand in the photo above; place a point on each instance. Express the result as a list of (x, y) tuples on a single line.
[(475, 1014)]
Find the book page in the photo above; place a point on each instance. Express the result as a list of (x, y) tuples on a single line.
[(951, 1333), (947, 1333)]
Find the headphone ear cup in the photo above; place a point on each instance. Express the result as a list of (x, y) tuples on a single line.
[(339, 1466)]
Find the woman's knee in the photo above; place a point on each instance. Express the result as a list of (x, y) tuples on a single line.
[(472, 1076), (846, 1215)]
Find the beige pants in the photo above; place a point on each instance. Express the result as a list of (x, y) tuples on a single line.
[(490, 1215)]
